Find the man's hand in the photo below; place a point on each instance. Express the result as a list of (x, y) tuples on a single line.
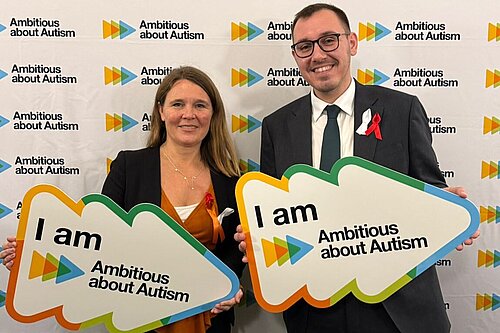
[(460, 191)]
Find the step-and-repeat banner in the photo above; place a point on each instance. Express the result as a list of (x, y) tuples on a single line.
[(78, 78)]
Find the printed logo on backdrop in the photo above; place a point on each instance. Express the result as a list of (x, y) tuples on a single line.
[(489, 170), (490, 125), (2, 293), (248, 166), (39, 27), (3, 121), (275, 77), (439, 125), (3, 74), (279, 31), (4, 211), (115, 76), (488, 259), (424, 31), (40, 120), (40, 74), (152, 76), (371, 77), (168, 30), (244, 124), (43, 165), (116, 122), (487, 302), (4, 166), (373, 32), (2, 27), (489, 214), (114, 29), (422, 77), (244, 31), (493, 32), (492, 78)]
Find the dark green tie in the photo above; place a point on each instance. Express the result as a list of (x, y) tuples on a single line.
[(330, 149)]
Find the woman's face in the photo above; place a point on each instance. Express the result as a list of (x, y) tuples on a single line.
[(187, 112)]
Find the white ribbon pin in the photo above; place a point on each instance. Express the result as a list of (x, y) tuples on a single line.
[(365, 120)]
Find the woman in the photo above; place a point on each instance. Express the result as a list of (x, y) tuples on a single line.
[(190, 169)]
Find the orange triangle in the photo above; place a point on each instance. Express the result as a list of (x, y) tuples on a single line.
[(489, 258), (370, 31), (491, 214), (49, 267), (280, 250)]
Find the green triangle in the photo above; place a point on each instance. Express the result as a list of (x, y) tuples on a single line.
[(123, 75), (2, 298), (125, 122), (62, 270), (412, 273), (293, 249)]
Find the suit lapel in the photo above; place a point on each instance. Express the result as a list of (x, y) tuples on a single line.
[(364, 146), (301, 131)]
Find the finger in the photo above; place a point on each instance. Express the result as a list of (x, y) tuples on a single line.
[(460, 247)]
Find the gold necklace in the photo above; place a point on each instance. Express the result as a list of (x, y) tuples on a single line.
[(189, 180)]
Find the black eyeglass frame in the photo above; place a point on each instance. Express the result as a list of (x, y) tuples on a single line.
[(317, 41)]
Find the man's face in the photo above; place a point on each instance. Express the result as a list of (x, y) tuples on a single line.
[(329, 73)]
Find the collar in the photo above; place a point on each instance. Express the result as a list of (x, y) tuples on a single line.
[(345, 102)]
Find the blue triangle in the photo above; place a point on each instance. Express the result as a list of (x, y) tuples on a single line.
[(3, 121), (496, 302), (125, 30), (127, 122), (255, 124), (2, 27), (382, 77), (381, 31), (129, 76), (75, 271), (497, 220), (3, 295), (304, 248), (4, 211), (4, 166), (253, 166), (253, 77), (2, 74), (256, 31)]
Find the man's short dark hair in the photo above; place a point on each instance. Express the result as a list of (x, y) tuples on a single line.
[(311, 9)]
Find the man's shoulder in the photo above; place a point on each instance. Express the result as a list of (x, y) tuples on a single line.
[(302, 103), (383, 92)]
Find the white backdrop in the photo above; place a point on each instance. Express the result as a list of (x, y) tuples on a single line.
[(56, 99)]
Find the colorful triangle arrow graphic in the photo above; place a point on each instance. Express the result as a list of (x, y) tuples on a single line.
[(492, 78), (487, 302), (2, 27), (3, 121), (488, 258), (2, 298), (491, 125), (2, 74), (281, 251), (493, 32), (489, 170), (490, 214), (116, 122), (4, 211), (4, 166), (50, 268)]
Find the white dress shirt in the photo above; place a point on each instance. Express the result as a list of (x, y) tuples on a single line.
[(345, 120)]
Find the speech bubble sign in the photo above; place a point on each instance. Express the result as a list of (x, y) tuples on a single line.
[(362, 228), (90, 262)]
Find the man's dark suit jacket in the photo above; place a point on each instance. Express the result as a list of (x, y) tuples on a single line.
[(405, 147), (134, 178)]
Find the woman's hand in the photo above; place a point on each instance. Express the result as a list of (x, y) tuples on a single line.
[(8, 252), (226, 305)]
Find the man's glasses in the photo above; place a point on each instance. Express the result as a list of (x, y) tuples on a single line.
[(327, 43)]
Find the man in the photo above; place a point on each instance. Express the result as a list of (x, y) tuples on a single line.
[(323, 47)]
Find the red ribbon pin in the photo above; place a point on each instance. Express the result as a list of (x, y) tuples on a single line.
[(374, 127)]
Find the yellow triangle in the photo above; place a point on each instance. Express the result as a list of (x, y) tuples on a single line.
[(235, 123), (37, 264), (481, 258), (483, 213), (106, 29), (108, 164), (479, 302), (492, 32), (235, 29), (485, 169), (490, 78), (269, 252), (487, 125), (362, 31), (361, 76), (110, 122), (235, 75), (108, 75)]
